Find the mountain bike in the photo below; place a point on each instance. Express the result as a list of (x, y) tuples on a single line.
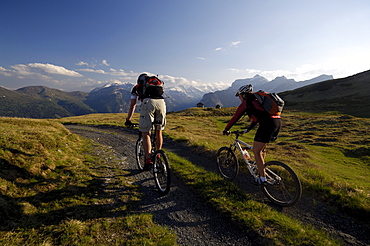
[(161, 166), (283, 186)]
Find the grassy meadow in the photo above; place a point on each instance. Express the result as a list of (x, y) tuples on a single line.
[(51, 191), (330, 151), (48, 172)]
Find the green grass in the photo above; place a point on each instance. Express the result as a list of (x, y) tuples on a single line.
[(329, 150), (52, 193), (268, 226)]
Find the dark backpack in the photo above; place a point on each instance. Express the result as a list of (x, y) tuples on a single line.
[(151, 87), (271, 102)]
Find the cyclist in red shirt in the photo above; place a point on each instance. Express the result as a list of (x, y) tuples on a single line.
[(269, 126)]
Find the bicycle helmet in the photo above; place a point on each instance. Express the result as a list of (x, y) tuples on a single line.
[(142, 78), (244, 90)]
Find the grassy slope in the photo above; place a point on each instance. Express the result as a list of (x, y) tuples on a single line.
[(328, 151), (51, 195), (347, 95), (317, 146)]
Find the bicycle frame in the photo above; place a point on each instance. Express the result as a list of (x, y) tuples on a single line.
[(153, 137), (283, 186), (250, 164)]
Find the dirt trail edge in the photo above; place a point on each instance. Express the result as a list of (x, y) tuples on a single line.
[(196, 223)]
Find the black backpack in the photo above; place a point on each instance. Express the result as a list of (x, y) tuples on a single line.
[(151, 87)]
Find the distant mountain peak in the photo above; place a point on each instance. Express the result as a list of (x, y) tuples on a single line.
[(226, 98)]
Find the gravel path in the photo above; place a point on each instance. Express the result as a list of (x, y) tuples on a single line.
[(196, 223), (187, 215)]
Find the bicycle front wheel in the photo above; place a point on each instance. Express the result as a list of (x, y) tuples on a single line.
[(140, 156), (227, 163), (283, 186), (161, 171)]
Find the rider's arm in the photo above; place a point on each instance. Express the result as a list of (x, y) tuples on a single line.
[(238, 114), (131, 109), (252, 125), (133, 101)]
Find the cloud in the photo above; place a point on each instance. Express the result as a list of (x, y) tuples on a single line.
[(235, 43), (81, 63), (175, 81), (90, 70), (104, 62), (93, 63), (201, 58), (21, 70), (54, 69), (5, 71), (121, 72), (111, 72)]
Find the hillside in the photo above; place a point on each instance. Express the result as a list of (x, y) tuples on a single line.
[(348, 95), (43, 102), (73, 102), (18, 104)]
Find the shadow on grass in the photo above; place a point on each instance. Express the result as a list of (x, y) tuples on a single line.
[(91, 199)]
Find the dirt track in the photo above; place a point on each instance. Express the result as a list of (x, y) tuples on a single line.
[(194, 222)]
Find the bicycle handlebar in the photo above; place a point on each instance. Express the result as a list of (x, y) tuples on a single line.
[(237, 132)]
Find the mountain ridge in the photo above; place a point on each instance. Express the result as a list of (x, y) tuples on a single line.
[(44, 102), (226, 98)]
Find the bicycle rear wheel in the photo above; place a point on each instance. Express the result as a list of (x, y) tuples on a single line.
[(283, 186), (227, 163), (161, 171), (140, 156)]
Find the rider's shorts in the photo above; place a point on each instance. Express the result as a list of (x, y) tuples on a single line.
[(152, 110), (268, 130)]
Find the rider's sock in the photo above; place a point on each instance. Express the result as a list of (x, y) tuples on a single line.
[(263, 179)]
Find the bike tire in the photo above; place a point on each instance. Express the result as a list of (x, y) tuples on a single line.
[(227, 163), (161, 172), (140, 155), (283, 185)]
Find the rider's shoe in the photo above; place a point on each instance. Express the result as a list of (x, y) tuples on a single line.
[(148, 165), (258, 181)]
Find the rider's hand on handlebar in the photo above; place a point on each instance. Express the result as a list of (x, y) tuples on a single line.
[(225, 132), (128, 123)]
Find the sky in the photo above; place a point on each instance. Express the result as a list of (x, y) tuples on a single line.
[(83, 44)]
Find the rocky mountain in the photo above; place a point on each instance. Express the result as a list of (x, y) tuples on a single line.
[(226, 98), (44, 102), (109, 99), (348, 94)]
